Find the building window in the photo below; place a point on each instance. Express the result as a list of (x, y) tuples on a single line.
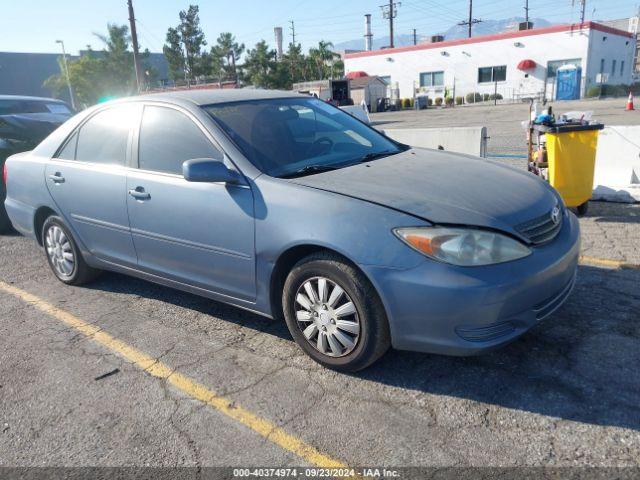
[(552, 66), (602, 65), (621, 67), (432, 79), (492, 74), (613, 68)]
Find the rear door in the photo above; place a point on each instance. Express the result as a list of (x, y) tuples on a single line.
[(87, 181), (201, 234)]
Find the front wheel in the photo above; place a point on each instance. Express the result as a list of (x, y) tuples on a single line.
[(334, 313), (63, 254)]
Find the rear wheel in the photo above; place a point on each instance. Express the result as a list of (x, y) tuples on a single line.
[(5, 223), (63, 254), (334, 313)]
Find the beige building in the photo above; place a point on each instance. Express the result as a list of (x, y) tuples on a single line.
[(369, 89)]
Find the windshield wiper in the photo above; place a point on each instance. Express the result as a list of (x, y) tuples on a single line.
[(374, 156), (308, 170)]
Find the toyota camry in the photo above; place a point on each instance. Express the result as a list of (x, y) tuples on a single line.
[(286, 206)]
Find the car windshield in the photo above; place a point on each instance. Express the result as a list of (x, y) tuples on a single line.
[(12, 107), (289, 137)]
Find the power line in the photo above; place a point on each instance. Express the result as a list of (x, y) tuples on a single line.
[(471, 20), (134, 41), (292, 28), (390, 12)]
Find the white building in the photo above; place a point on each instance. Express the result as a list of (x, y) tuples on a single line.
[(514, 64)]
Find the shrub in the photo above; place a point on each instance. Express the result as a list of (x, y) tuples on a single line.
[(459, 100), (495, 96), (406, 103), (593, 92), (449, 101), (613, 90), (473, 97), (486, 97), (438, 101)]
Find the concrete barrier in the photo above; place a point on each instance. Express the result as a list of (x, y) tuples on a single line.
[(469, 140), (358, 111), (617, 173)]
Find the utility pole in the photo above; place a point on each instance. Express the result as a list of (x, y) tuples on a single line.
[(583, 6), (293, 32), (134, 41), (415, 37), (526, 12), (66, 74), (471, 20), (390, 12)]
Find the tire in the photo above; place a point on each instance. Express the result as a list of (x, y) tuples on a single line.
[(63, 255), (5, 223), (583, 209), (347, 348)]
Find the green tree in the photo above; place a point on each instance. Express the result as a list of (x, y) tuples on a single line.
[(174, 54), (184, 46), (228, 51), (321, 59), (192, 39), (260, 66), (98, 74)]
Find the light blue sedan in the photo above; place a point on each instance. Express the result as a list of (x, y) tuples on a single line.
[(284, 205)]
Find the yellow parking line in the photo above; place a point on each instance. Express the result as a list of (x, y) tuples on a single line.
[(605, 262), (183, 383)]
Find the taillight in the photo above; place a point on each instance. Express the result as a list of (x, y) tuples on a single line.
[(4, 173)]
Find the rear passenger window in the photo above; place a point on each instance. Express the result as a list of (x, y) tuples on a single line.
[(168, 138), (68, 152), (103, 139)]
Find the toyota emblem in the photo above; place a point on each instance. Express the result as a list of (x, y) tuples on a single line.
[(555, 215)]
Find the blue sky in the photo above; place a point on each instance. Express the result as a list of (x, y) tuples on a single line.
[(34, 25)]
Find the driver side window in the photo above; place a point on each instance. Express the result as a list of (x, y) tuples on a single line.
[(168, 138)]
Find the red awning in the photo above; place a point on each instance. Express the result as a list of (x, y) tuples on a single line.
[(352, 75), (526, 65)]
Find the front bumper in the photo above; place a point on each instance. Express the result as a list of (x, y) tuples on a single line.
[(440, 308)]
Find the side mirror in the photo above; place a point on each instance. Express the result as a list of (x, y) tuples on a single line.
[(208, 170)]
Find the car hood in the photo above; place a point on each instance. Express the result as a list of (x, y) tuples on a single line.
[(444, 188)]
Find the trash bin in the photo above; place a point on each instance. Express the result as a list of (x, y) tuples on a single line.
[(571, 157), (421, 102)]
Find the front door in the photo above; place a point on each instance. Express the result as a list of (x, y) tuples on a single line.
[(201, 234), (87, 181)]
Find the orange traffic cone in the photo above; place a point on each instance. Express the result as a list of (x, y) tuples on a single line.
[(630, 102)]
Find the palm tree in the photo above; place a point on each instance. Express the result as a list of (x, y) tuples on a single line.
[(322, 57)]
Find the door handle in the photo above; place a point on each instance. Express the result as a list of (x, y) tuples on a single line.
[(57, 177), (139, 194)]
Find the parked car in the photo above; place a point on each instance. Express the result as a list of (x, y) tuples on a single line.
[(25, 122), (286, 206)]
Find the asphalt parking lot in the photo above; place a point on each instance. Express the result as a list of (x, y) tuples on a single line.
[(506, 136), (221, 386)]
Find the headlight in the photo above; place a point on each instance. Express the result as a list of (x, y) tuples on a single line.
[(463, 246)]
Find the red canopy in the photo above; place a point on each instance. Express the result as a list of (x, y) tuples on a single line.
[(352, 75), (526, 65)]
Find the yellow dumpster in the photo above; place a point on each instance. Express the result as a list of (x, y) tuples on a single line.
[(571, 157)]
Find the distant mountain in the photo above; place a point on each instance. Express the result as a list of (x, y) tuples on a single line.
[(486, 27)]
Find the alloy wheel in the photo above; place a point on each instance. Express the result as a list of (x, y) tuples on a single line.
[(327, 317), (59, 251)]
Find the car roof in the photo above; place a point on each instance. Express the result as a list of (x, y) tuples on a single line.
[(211, 96), (30, 99)]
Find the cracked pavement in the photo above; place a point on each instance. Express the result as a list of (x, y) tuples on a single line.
[(567, 393)]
